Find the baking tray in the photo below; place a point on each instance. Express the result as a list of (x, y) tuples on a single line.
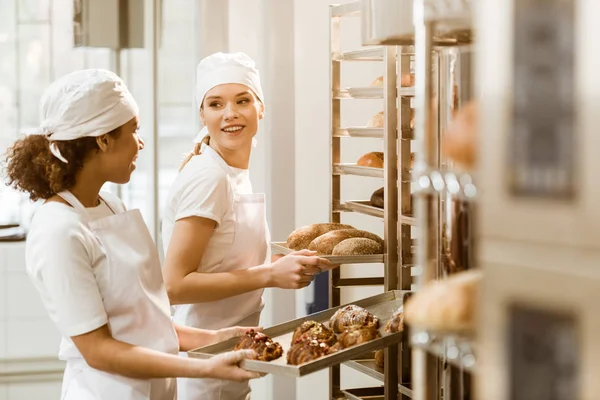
[(359, 170), (371, 393), (364, 207), (382, 305), (280, 248), (360, 132)]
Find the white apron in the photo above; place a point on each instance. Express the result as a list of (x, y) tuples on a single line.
[(137, 306), (250, 248)]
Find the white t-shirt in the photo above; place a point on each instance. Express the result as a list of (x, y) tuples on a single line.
[(206, 187), (62, 255)]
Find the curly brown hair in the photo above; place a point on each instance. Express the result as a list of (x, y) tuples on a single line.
[(32, 168)]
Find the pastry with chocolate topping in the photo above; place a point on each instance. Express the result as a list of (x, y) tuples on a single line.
[(265, 348)]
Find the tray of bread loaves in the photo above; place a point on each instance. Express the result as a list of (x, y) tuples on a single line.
[(321, 340), (339, 243)]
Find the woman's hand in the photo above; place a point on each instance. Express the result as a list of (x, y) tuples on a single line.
[(235, 331), (297, 269), (226, 366)]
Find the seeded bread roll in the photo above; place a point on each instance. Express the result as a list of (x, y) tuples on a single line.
[(446, 305), (325, 244), (301, 237), (373, 159), (357, 246)]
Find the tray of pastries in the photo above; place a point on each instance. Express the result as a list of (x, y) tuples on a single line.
[(321, 340)]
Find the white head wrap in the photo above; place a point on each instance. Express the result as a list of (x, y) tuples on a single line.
[(221, 68), (86, 103)]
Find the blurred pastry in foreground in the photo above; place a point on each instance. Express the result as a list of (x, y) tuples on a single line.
[(460, 139), (447, 305)]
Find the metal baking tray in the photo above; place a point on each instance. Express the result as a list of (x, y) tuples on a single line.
[(359, 132), (364, 207), (372, 393), (366, 54), (382, 305), (280, 248), (353, 169)]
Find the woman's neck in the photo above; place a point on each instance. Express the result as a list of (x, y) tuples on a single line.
[(234, 158), (87, 187)]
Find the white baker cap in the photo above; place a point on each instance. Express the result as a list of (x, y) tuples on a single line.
[(86, 103), (221, 68)]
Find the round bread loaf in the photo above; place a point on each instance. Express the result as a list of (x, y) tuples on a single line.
[(446, 305), (373, 159), (376, 121), (379, 358), (357, 246), (325, 244), (377, 198), (407, 80), (301, 237)]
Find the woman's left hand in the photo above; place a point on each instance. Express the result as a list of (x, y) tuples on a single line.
[(234, 331)]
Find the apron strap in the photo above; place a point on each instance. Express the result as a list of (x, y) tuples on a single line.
[(73, 201)]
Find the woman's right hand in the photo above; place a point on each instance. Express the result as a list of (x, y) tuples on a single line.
[(297, 269), (226, 366)]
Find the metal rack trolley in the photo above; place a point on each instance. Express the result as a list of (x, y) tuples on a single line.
[(397, 201)]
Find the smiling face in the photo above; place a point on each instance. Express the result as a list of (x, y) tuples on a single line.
[(231, 113), (119, 152)]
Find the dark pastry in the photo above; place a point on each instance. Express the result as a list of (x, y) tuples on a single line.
[(307, 350), (264, 346)]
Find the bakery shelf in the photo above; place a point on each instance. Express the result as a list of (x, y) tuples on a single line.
[(353, 169), (364, 207), (280, 248), (372, 393), (359, 132), (382, 305), (367, 366), (367, 54), (374, 281), (370, 92), (458, 350), (346, 10)]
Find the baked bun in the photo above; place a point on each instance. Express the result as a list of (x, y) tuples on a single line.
[(376, 121), (378, 81), (407, 80), (377, 198), (446, 305), (373, 159), (301, 237)]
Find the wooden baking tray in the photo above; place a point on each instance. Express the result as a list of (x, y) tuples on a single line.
[(382, 305), (279, 248)]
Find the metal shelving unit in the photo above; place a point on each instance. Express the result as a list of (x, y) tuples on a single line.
[(397, 135), (449, 20)]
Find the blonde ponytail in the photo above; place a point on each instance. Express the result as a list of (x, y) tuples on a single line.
[(196, 151)]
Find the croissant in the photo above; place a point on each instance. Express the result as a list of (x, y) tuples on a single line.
[(307, 350), (314, 330), (354, 337)]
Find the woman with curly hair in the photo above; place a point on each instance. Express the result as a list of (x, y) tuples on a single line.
[(94, 263)]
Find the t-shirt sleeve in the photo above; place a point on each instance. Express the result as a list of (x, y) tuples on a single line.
[(203, 194), (61, 267)]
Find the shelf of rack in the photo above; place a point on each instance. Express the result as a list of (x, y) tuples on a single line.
[(366, 54), (456, 349), (358, 170), (369, 92), (346, 10), (369, 368)]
